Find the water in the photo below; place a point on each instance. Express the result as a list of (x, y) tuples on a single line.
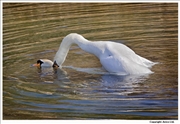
[(82, 90)]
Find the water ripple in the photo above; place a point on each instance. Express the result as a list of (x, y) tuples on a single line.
[(83, 90)]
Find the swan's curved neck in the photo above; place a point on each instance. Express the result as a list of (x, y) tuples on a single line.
[(66, 43)]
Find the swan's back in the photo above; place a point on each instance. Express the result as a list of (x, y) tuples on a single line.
[(120, 58)]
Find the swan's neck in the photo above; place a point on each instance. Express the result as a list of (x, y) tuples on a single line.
[(66, 43)]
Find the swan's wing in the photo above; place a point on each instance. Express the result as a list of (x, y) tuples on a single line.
[(122, 65), (125, 52), (120, 58), (112, 64)]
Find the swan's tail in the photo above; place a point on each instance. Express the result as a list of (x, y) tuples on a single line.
[(147, 62)]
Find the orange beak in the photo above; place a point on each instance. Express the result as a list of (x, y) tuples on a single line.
[(37, 65)]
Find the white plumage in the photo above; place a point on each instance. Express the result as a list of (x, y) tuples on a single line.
[(114, 57)]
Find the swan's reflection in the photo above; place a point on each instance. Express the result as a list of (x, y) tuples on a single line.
[(51, 75), (60, 74), (61, 77), (104, 83), (106, 77), (45, 71), (122, 85), (109, 79)]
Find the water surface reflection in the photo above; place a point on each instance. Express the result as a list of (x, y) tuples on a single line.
[(83, 90)]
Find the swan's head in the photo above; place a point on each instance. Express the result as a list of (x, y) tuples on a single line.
[(38, 64), (43, 63)]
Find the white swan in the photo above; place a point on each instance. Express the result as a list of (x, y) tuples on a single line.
[(115, 57), (43, 63)]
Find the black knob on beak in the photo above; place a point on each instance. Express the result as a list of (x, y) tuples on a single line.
[(55, 65)]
